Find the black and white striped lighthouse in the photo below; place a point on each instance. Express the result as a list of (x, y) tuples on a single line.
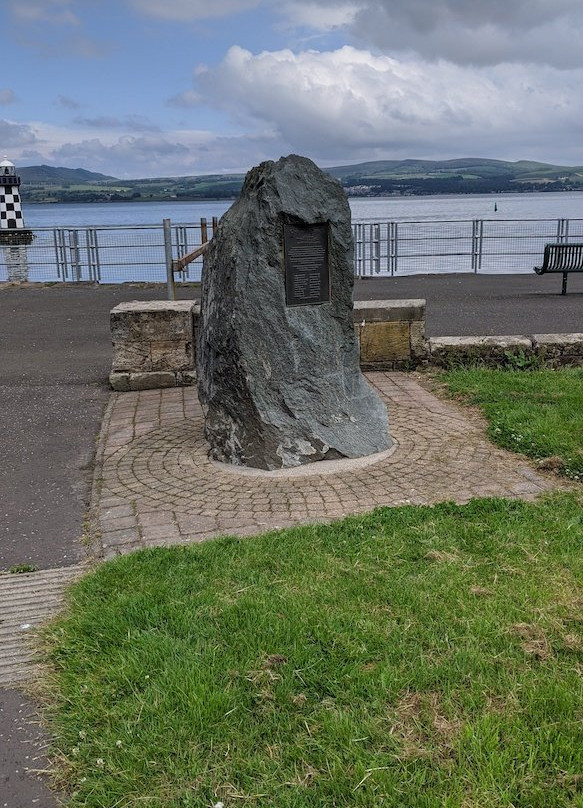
[(12, 229), (14, 236)]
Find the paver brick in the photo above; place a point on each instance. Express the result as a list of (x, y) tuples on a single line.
[(161, 469)]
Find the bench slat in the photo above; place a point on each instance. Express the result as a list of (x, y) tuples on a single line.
[(563, 258)]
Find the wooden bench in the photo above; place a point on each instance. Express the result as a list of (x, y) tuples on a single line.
[(563, 258)]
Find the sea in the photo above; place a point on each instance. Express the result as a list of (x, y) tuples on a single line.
[(555, 205), (493, 233)]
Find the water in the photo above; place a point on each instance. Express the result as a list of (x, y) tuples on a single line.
[(568, 205), (490, 233)]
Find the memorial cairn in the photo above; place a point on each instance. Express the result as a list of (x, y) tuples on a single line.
[(279, 375)]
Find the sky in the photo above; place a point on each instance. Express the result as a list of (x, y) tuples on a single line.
[(150, 88)]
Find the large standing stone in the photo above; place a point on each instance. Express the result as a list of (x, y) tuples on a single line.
[(281, 384)]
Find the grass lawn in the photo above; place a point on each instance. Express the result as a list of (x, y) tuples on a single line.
[(416, 657), (538, 412)]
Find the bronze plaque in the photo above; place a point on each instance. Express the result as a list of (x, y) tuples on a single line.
[(307, 273)]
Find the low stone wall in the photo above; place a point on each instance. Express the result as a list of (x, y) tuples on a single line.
[(550, 350), (154, 343), (391, 333)]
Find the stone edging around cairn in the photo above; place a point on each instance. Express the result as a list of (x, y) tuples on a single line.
[(154, 343), (550, 350)]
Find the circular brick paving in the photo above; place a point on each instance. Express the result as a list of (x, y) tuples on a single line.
[(169, 467), (159, 486)]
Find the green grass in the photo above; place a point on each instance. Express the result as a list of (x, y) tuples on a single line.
[(416, 657), (536, 412)]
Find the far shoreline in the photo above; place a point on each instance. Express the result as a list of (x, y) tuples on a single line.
[(221, 199)]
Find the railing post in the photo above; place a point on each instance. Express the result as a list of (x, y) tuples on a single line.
[(477, 241), (92, 254), (60, 255), (170, 286), (376, 249), (392, 248), (562, 231)]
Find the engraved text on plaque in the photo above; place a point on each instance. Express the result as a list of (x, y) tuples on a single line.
[(307, 276)]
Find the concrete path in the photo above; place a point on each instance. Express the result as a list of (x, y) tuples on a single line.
[(26, 601)]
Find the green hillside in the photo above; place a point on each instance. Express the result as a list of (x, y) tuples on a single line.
[(464, 175), (375, 178), (57, 176)]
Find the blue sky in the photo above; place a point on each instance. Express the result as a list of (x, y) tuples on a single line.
[(139, 88)]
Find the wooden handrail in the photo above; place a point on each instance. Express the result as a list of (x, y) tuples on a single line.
[(178, 264)]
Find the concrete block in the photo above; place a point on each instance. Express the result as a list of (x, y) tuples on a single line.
[(186, 378), (139, 320), (388, 310), (384, 342), (559, 349), (120, 382), (131, 356), (172, 355), (152, 380), (152, 338), (419, 345), (490, 350)]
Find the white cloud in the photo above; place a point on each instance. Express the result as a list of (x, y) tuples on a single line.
[(15, 135), (7, 96), (319, 17), (66, 102), (176, 152), (53, 11), (53, 29), (351, 103), (185, 100), (186, 10), (133, 123), (473, 31)]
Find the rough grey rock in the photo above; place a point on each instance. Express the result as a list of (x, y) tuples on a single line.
[(281, 385)]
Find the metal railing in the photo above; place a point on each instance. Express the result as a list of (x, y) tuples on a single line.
[(492, 246), (112, 254), (104, 254)]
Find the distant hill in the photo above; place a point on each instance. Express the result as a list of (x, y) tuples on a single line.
[(375, 178), (463, 175), (56, 176)]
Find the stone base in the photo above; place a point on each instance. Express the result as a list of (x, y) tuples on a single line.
[(153, 344), (17, 237), (125, 382), (559, 349), (550, 350), (391, 333), (446, 351), (151, 340)]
